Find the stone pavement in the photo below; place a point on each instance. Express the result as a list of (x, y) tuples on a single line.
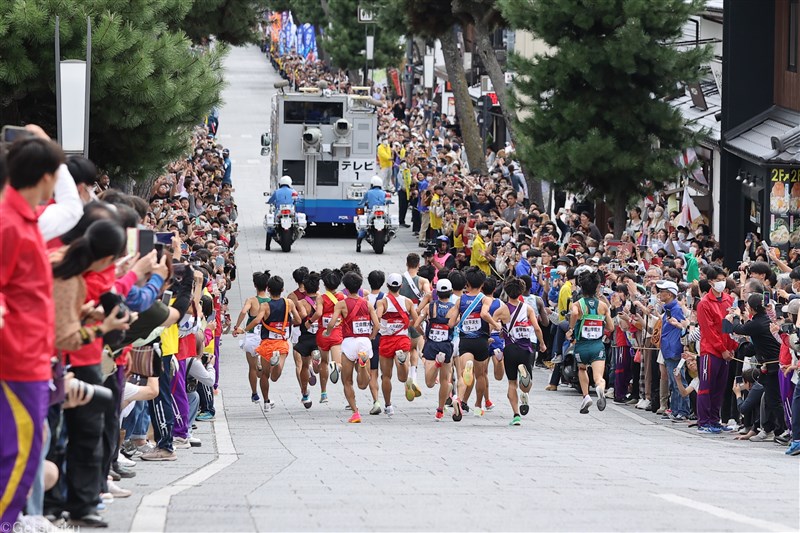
[(297, 469)]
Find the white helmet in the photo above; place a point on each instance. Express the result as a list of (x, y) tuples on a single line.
[(285, 180), (376, 181)]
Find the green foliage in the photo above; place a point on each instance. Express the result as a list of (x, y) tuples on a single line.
[(427, 18), (593, 118), (345, 39), (231, 21), (148, 86)]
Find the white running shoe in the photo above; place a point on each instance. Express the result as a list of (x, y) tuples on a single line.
[(524, 378), (586, 404), (334, 372), (402, 356), (524, 408), (275, 359), (376, 408), (601, 399), (389, 410), (124, 461)]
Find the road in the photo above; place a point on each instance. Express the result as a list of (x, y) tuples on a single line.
[(298, 469)]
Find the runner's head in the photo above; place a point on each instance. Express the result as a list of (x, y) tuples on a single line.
[(588, 282), (350, 267), (331, 279), (457, 280), (260, 280), (489, 285), (275, 286), (444, 289), (427, 272), (514, 288), (311, 283), (352, 282), (412, 261), (394, 282), (376, 279), (528, 281), (475, 277), (299, 275)]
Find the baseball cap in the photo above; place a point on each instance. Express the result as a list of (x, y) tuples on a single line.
[(793, 308), (670, 286), (394, 280), (444, 285)]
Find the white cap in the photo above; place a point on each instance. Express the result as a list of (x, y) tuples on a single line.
[(665, 285), (394, 280), (444, 285)]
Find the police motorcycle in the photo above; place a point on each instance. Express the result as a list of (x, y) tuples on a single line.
[(372, 219), (282, 222)]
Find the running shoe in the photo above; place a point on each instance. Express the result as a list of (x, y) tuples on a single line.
[(402, 356), (794, 448), (783, 439), (363, 359), (468, 378), (723, 428), (389, 410), (448, 402), (440, 358), (410, 394), (457, 411), (708, 430), (489, 405), (334, 370), (680, 418), (464, 407), (601, 399), (524, 407), (439, 415), (516, 421), (269, 405), (323, 398), (275, 359), (312, 378), (586, 404), (355, 419), (417, 392), (306, 401), (524, 378), (761, 436), (258, 363), (255, 398), (205, 417), (478, 412), (376, 408), (498, 354)]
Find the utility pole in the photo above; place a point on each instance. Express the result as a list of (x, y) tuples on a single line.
[(409, 74)]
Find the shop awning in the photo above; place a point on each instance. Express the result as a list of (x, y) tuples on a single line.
[(771, 138)]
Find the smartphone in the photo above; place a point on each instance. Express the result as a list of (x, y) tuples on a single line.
[(166, 298), (220, 261), (147, 241), (739, 380), (766, 298), (200, 233), (222, 249), (10, 134), (681, 363), (164, 237), (133, 241)]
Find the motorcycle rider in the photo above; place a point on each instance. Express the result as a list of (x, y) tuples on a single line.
[(283, 196), (373, 197)]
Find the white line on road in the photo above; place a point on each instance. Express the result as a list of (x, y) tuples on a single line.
[(224, 136), (642, 420), (151, 515), (254, 161), (246, 136), (724, 513)]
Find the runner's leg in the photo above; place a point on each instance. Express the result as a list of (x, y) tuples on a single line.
[(387, 367), (347, 381)]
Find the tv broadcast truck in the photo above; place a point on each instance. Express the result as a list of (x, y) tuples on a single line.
[(326, 142)]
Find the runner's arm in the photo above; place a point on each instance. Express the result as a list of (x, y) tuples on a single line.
[(296, 318), (412, 310), (317, 310), (381, 308), (537, 328), (452, 316), (242, 314), (337, 313), (609, 320), (376, 324), (486, 316), (263, 313), (422, 314)]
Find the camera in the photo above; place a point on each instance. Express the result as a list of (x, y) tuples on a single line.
[(788, 328), (96, 394), (430, 249)]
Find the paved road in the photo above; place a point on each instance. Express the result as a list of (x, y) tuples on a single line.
[(297, 469)]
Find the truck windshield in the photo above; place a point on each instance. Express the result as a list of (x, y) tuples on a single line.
[(312, 112)]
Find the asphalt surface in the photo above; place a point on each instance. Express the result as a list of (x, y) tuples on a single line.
[(297, 469)]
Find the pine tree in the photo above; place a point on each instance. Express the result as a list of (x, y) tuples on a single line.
[(345, 39), (149, 87), (593, 114), (230, 21)]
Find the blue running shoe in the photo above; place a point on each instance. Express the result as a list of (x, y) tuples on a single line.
[(709, 430), (205, 417), (794, 448)]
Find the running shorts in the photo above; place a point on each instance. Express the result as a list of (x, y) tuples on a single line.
[(390, 344), (431, 349), (352, 345), (326, 343), (478, 347), (306, 344), (513, 356), (587, 352), (269, 346)]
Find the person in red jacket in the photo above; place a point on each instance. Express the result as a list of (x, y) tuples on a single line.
[(716, 350), (27, 328)]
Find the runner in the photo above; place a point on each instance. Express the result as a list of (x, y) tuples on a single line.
[(473, 329), (588, 318), (306, 347), (359, 325), (395, 346), (297, 296), (520, 325), (442, 317), (415, 288), (376, 279), (252, 338), (496, 342), (330, 358), (275, 317)]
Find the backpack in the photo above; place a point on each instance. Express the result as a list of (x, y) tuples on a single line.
[(591, 324)]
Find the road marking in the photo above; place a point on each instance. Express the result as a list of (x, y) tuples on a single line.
[(246, 136), (627, 412), (224, 136), (151, 515), (254, 161), (724, 513)]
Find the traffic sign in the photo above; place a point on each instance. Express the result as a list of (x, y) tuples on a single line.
[(366, 15)]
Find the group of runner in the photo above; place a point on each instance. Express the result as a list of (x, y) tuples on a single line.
[(454, 323)]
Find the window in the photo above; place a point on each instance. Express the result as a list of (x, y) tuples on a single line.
[(305, 112), (295, 169), (794, 40), (328, 173)]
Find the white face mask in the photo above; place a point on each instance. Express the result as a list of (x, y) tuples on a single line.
[(718, 286), (681, 236), (484, 232), (506, 238), (592, 249)]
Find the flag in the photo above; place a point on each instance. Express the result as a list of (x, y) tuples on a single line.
[(689, 212), (690, 167)]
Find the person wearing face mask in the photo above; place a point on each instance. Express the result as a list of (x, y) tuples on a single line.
[(716, 351), (479, 249), (692, 268), (679, 240)]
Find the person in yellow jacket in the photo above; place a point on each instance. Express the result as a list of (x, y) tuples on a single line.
[(478, 257), (385, 160), (437, 211)]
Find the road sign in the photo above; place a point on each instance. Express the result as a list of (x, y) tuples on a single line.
[(366, 15)]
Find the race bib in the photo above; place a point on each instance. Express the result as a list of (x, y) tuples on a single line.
[(325, 321), (362, 327), (438, 333), (393, 327), (471, 325), (273, 335), (521, 332), (313, 328), (592, 330)]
